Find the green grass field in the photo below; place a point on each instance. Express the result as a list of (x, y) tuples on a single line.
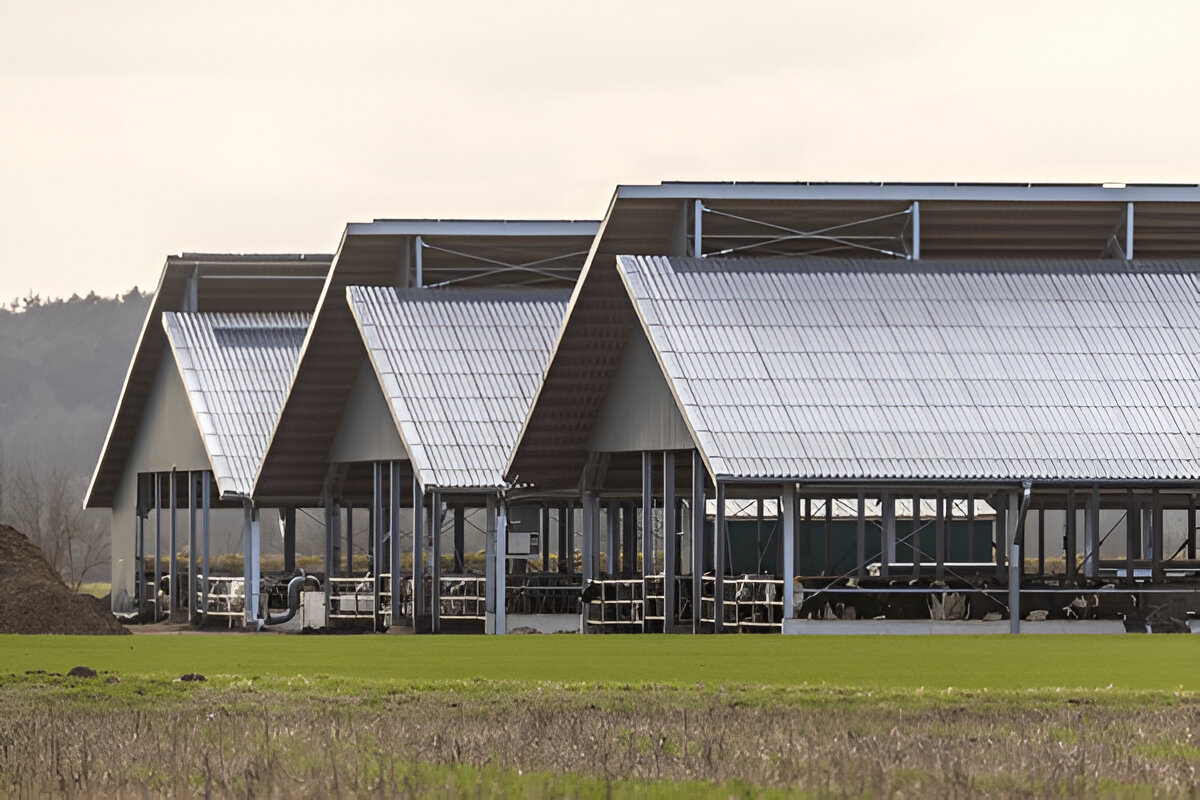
[(1147, 663), (600, 716)]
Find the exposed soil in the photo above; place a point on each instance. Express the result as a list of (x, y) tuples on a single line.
[(34, 599)]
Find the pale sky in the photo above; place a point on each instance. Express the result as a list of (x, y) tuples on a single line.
[(132, 130)]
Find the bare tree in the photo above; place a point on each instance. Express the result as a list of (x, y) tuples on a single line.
[(45, 502)]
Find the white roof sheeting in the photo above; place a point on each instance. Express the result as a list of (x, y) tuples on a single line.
[(459, 369), (814, 369), (236, 368)]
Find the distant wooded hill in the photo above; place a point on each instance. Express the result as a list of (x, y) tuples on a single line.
[(62, 363)]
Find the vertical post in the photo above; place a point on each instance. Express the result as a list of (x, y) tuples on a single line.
[(939, 535), (139, 544), (806, 536), (629, 547), (1133, 534), (594, 512), (544, 536), (566, 539), (887, 504), (612, 558), (829, 535), (418, 262), (489, 549), (327, 558), (1070, 546), (860, 537), (1191, 527), (173, 561), (589, 537), (696, 506), (719, 561), (1091, 535), (1156, 538), (418, 547), (205, 502), (787, 518), (1129, 231), (250, 573), (647, 513), (916, 229), (698, 232), (647, 530), (435, 558), (460, 535), (1041, 539), (349, 538), (157, 542), (192, 584), (970, 527), (914, 538), (670, 541), (502, 570), (287, 520), (1014, 565), (1000, 531), (378, 567)]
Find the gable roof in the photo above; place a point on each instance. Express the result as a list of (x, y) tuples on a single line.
[(459, 370), (204, 282), (385, 253), (235, 368), (890, 370)]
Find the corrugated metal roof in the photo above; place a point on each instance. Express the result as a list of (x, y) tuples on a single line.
[(269, 282), (236, 368), (843, 369), (459, 369)]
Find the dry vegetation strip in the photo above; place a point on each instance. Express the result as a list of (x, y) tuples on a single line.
[(349, 737)]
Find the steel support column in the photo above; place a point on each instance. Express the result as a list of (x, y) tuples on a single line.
[(939, 533), (1069, 535), (192, 584), (696, 507), (589, 539), (460, 536), (670, 541), (647, 530), (418, 546), (719, 561), (206, 503), (1091, 535), (435, 561), (502, 570), (490, 580), (378, 566), (349, 538), (612, 555), (860, 537), (252, 532), (287, 521), (173, 560), (916, 229), (1015, 568), (157, 543), (888, 509), (787, 519)]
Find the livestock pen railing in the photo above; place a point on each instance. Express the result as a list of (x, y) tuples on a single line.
[(748, 603)]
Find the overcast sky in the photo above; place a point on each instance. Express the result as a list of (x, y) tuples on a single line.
[(131, 130)]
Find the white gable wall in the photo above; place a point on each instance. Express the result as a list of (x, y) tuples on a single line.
[(639, 412), (367, 431)]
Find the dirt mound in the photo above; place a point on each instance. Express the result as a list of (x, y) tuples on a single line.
[(33, 599)]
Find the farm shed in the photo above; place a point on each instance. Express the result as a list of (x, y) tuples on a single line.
[(962, 348), (204, 385), (414, 318)]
